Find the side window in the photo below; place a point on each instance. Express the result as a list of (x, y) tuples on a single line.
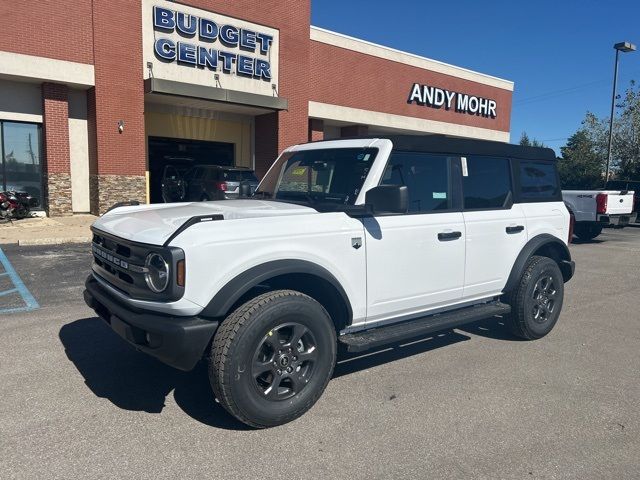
[(426, 177), (538, 181), (487, 183)]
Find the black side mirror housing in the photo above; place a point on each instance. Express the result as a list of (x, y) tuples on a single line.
[(388, 199), (244, 190)]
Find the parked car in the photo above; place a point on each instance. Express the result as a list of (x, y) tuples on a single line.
[(595, 209), (628, 185), (365, 242), (213, 182)]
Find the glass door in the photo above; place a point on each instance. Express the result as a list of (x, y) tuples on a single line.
[(21, 167)]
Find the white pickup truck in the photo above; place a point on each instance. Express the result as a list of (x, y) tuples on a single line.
[(595, 209)]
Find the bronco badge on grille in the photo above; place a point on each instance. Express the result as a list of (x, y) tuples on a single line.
[(110, 258)]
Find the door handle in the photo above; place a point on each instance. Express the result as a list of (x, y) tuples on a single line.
[(449, 236), (516, 229)]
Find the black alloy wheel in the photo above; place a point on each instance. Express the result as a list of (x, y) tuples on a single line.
[(536, 302), (284, 361), (545, 296), (272, 358)]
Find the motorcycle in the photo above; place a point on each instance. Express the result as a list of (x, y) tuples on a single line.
[(16, 205)]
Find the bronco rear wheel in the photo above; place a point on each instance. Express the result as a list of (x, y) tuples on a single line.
[(272, 358), (537, 300)]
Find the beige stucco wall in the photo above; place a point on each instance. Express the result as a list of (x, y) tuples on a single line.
[(79, 151), (20, 101), (225, 129)]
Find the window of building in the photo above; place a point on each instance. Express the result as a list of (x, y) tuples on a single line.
[(487, 183), (426, 177), (20, 148), (538, 181)]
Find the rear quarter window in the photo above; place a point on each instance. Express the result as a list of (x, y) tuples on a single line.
[(538, 181)]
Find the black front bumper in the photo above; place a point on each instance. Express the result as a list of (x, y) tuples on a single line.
[(177, 341)]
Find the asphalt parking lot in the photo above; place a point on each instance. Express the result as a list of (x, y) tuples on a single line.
[(470, 403)]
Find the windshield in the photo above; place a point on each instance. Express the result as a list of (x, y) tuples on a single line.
[(324, 176)]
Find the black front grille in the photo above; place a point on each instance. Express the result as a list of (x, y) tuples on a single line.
[(120, 262)]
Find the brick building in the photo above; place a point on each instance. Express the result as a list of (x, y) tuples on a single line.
[(97, 98)]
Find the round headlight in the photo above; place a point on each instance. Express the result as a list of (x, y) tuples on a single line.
[(157, 275)]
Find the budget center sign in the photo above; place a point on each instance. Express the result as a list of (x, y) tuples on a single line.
[(195, 46)]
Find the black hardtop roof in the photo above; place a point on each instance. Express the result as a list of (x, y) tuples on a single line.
[(462, 146)]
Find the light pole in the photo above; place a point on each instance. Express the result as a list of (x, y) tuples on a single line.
[(619, 47)]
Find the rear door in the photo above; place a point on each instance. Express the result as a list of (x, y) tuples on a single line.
[(194, 181), (415, 261), (496, 227)]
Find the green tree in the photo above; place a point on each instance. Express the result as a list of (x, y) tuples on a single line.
[(525, 141), (626, 135), (625, 161), (581, 164)]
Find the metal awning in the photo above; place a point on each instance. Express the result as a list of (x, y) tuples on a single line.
[(181, 89)]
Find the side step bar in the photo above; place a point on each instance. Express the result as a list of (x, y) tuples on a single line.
[(397, 332)]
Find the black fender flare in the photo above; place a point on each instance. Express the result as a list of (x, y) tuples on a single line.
[(544, 240), (222, 302)]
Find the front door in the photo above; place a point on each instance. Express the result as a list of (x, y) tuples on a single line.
[(415, 261)]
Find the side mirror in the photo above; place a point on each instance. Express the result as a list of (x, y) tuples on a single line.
[(388, 199), (244, 190)]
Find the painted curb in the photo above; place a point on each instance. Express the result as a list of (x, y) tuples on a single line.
[(53, 241)]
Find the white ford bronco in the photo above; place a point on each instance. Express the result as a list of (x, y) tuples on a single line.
[(356, 242)]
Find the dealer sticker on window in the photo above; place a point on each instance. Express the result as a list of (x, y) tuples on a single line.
[(439, 195)]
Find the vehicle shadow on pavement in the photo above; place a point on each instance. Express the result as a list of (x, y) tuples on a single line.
[(134, 381), (493, 327), (352, 362), (577, 241)]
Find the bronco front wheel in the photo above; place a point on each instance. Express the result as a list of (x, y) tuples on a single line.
[(272, 358)]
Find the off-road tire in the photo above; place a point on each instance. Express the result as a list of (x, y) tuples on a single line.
[(522, 320), (239, 338), (587, 231)]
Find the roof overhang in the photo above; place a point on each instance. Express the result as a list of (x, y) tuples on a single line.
[(156, 86)]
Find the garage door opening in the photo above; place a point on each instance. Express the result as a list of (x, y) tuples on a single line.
[(183, 154)]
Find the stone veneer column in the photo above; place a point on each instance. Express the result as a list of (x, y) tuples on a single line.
[(57, 158)]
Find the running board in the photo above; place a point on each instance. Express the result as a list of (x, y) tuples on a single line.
[(397, 332)]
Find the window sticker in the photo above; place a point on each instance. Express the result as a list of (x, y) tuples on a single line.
[(299, 171), (465, 170), (440, 195)]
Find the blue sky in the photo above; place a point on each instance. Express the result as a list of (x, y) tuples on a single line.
[(559, 53)]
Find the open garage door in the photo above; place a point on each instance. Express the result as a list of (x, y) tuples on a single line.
[(181, 155)]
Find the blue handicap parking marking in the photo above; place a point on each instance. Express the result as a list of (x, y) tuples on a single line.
[(18, 287)]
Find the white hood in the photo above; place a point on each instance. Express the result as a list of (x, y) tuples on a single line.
[(154, 224)]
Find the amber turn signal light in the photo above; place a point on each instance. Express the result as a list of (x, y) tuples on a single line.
[(180, 273)]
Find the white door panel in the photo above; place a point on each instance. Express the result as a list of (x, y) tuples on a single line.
[(409, 269), (490, 250)]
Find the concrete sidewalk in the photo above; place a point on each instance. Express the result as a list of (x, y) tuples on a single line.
[(47, 231)]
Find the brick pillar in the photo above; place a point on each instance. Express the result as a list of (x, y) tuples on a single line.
[(57, 164), (266, 142), (316, 130), (117, 172), (354, 131)]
